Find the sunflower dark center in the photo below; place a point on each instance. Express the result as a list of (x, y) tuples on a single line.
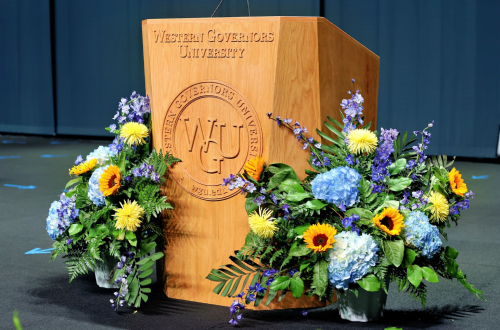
[(111, 182), (386, 221), (320, 239)]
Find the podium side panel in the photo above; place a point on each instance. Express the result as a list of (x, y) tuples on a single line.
[(341, 58)]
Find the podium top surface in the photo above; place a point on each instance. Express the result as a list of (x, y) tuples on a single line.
[(240, 19), (256, 19)]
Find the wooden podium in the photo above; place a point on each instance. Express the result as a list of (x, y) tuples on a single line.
[(211, 82)]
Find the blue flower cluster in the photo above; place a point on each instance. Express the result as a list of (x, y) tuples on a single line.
[(462, 205), (422, 234), (102, 154), (235, 309), (116, 146), (353, 111), (350, 222), (270, 273), (133, 110), (234, 182), (146, 171), (94, 193), (61, 214), (419, 200), (381, 161), (338, 186), (351, 258)]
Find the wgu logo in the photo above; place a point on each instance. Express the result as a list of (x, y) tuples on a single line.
[(215, 131)]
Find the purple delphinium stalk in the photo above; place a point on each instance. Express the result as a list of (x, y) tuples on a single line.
[(381, 161), (419, 149), (118, 301), (235, 310), (353, 109)]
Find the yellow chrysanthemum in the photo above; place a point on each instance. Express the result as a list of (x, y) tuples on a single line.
[(438, 205), (457, 183), (134, 133), (128, 217), (389, 221), (254, 167), (83, 167), (262, 223), (361, 140), (319, 237), (110, 180)]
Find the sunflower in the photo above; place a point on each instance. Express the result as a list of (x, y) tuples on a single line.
[(389, 221), (110, 180), (262, 223), (83, 167), (134, 133), (128, 217), (457, 183), (254, 167), (361, 140), (438, 205), (320, 237)]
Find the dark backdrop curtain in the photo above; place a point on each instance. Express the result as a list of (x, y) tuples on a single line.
[(26, 104), (438, 60), (99, 50)]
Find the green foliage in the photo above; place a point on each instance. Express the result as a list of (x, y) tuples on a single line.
[(93, 236), (320, 278), (295, 208), (78, 262), (394, 251), (16, 321), (370, 283), (230, 276)]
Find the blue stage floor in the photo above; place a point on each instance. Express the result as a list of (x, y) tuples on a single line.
[(40, 291)]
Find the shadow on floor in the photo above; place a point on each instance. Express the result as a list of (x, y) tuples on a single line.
[(83, 300)]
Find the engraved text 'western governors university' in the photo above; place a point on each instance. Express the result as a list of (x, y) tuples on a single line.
[(215, 131)]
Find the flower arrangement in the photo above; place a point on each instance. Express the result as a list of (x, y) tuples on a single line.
[(112, 208), (371, 211)]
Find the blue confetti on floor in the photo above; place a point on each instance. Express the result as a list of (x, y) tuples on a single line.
[(39, 251), (9, 157), (63, 142), (19, 187), (52, 156), (480, 177), (13, 141)]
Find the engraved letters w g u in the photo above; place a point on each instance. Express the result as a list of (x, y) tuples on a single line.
[(207, 140)]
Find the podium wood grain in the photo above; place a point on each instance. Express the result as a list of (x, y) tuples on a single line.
[(211, 112)]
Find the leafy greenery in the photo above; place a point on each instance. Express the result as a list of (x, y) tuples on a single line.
[(404, 181), (93, 237)]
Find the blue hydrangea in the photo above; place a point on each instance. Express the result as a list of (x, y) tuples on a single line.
[(338, 186), (94, 193), (102, 154), (53, 219), (351, 258), (62, 214), (420, 233)]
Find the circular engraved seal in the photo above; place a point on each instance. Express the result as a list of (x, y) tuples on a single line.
[(214, 130)]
